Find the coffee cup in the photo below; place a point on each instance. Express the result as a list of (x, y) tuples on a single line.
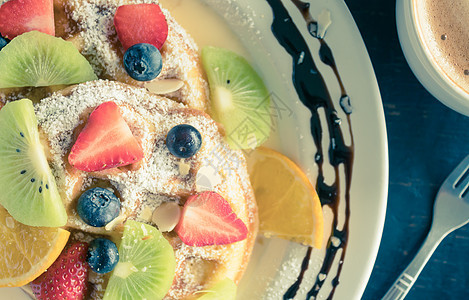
[(434, 38)]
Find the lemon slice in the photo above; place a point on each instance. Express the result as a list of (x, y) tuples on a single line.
[(289, 206), (25, 251)]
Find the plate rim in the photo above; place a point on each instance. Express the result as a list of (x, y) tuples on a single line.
[(384, 167)]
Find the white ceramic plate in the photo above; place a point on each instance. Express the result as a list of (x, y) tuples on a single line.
[(276, 264)]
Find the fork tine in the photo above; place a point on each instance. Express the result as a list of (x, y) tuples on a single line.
[(462, 187), (458, 173)]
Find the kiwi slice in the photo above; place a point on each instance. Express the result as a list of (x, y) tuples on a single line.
[(38, 59), (146, 265), (239, 99), (28, 188), (224, 289)]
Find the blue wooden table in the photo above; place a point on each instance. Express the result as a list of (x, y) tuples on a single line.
[(426, 141)]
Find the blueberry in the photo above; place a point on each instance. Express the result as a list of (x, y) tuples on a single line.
[(143, 62), (98, 206), (102, 255), (3, 42), (183, 141)]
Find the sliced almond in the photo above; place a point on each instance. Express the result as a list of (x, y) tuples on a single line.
[(184, 167), (112, 225), (207, 178), (166, 216), (164, 86), (146, 214)]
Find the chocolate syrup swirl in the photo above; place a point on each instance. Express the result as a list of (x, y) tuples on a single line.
[(314, 94)]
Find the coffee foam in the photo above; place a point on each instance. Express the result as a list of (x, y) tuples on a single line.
[(443, 27)]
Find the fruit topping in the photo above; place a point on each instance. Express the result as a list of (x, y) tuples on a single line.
[(29, 191), (143, 62), (117, 222), (3, 42), (164, 86), (146, 266), (141, 23), (207, 219), (67, 278), (102, 255), (207, 178), (38, 59), (105, 142), (224, 289), (289, 206), (97, 207), (20, 16), (183, 141), (183, 167), (26, 251), (166, 216), (239, 99)]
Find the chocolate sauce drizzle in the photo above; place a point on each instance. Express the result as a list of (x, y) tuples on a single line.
[(314, 94)]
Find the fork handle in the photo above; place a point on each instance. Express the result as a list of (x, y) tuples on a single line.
[(406, 280)]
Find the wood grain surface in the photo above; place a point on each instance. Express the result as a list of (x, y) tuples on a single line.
[(426, 141)]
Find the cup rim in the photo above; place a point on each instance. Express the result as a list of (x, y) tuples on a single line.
[(420, 60)]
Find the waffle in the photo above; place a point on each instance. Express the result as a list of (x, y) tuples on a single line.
[(158, 178), (88, 24)]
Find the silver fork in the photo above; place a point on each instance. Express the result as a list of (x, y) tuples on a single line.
[(450, 212)]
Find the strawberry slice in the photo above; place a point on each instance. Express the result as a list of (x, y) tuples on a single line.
[(20, 16), (141, 23), (105, 142), (207, 219), (67, 277)]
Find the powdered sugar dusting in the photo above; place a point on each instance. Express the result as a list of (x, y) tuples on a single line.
[(157, 178), (102, 48)]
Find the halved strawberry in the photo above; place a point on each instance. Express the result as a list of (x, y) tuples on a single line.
[(20, 16), (207, 219), (141, 23), (67, 278), (105, 142)]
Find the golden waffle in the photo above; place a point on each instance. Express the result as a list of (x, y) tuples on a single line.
[(88, 24), (157, 178)]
